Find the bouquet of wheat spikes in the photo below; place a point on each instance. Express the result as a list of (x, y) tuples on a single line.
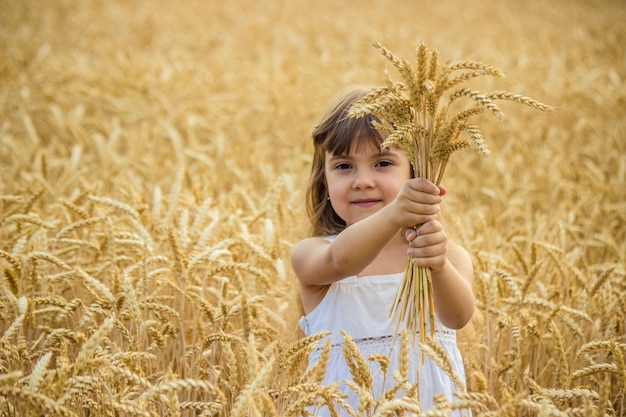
[(428, 128)]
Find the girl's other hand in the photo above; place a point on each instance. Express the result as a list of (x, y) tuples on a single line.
[(428, 245)]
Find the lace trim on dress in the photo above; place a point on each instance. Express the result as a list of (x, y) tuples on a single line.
[(440, 335)]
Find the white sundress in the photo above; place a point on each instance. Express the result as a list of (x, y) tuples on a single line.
[(360, 307)]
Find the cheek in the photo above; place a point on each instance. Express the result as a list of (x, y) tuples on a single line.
[(334, 185), (338, 197), (333, 192), (392, 189)]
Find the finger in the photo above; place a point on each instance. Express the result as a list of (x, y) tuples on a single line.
[(435, 262), (410, 234), (431, 240), (424, 185), (431, 226), (428, 210), (428, 255)]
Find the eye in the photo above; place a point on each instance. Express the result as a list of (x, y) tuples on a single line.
[(343, 165), (384, 163)]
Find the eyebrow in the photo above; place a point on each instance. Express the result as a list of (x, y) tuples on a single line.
[(383, 152)]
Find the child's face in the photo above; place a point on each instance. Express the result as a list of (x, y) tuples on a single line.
[(367, 179)]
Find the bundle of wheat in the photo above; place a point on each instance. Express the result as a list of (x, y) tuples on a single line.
[(428, 129)]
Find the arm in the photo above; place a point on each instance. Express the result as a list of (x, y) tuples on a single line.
[(451, 271), (317, 262)]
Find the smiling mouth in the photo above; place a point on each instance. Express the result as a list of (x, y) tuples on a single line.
[(365, 202)]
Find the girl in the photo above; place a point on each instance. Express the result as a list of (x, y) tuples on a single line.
[(363, 203)]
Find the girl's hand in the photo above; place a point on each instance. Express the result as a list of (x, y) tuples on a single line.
[(428, 245), (417, 202)]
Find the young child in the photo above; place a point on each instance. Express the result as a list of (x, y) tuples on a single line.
[(363, 203)]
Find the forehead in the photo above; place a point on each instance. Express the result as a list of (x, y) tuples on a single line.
[(368, 150), (366, 146), (350, 133), (361, 141)]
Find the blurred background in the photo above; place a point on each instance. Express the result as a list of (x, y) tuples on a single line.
[(189, 121)]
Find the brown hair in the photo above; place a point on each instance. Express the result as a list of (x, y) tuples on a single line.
[(335, 134)]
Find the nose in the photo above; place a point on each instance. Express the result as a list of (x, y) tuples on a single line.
[(363, 179)]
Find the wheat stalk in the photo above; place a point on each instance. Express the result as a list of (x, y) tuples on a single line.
[(359, 368), (439, 356), (79, 386), (75, 209), (16, 264), (36, 401), (22, 307), (28, 218), (115, 204), (400, 406), (414, 118), (90, 347), (249, 397), (289, 360), (38, 372), (131, 408), (100, 290)]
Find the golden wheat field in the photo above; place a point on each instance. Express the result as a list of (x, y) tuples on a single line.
[(153, 163)]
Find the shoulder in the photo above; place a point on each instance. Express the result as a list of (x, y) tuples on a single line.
[(307, 261), (313, 241), (309, 257)]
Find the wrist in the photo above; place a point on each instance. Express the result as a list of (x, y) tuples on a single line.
[(391, 215), (438, 270)]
